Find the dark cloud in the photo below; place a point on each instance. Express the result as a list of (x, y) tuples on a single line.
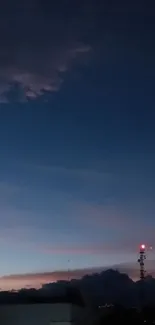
[(39, 42), (41, 39)]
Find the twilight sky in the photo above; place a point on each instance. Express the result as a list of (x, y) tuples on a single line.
[(77, 135)]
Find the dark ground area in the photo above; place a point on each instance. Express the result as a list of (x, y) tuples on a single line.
[(124, 297), (129, 316)]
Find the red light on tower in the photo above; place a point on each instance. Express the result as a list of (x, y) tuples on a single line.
[(142, 246)]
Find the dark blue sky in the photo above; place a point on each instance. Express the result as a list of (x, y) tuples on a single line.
[(76, 134)]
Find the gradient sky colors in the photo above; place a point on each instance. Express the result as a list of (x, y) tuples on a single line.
[(77, 134)]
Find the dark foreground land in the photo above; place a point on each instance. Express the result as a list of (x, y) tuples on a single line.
[(129, 316)]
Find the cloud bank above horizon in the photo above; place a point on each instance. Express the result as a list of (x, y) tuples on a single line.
[(36, 280)]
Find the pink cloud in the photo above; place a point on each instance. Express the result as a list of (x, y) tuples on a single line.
[(16, 237), (115, 218), (87, 250), (36, 280)]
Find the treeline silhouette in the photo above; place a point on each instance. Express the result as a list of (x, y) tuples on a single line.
[(109, 286)]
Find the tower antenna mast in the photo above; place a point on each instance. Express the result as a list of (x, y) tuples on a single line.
[(142, 257)]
